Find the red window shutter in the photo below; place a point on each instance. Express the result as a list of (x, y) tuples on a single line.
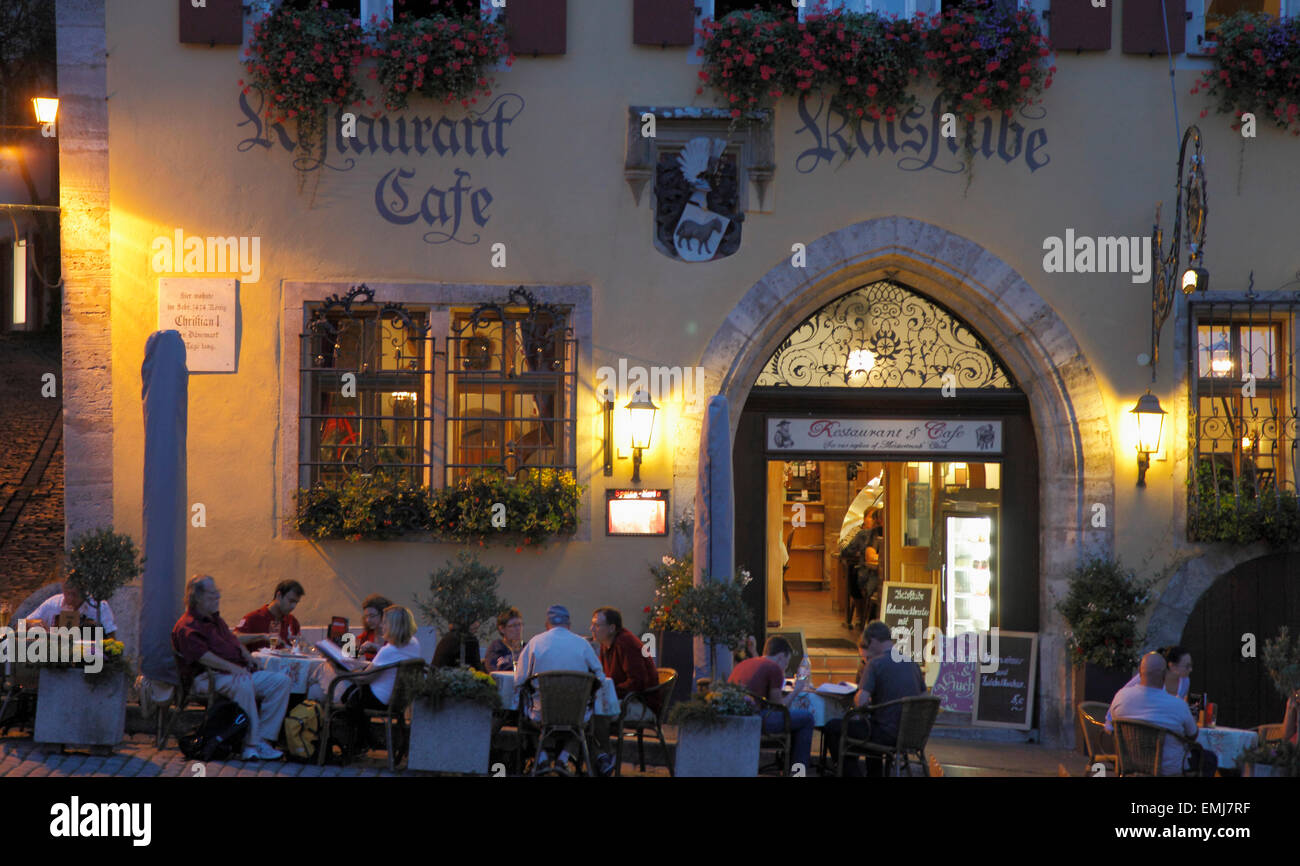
[(536, 26), (1077, 26), (219, 22), (663, 22), (1144, 31)]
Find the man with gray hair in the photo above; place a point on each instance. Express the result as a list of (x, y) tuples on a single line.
[(557, 649), (207, 645), (1150, 703)]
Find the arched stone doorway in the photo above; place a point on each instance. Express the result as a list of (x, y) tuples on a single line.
[(1071, 426), (1255, 597)]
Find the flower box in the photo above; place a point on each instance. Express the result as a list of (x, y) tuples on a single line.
[(75, 708), (727, 749), (453, 738)]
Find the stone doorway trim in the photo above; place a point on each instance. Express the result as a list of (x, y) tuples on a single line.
[(1071, 423)]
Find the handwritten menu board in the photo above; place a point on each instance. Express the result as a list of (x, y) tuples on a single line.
[(1005, 698), (954, 682), (904, 603)]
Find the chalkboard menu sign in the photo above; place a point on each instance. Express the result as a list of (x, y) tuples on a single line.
[(954, 682), (902, 604), (1005, 698)]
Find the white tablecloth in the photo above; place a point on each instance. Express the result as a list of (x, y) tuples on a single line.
[(606, 698), (1227, 743), (303, 671)]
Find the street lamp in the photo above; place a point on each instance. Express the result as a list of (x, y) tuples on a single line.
[(46, 107), (641, 413), (1151, 422)]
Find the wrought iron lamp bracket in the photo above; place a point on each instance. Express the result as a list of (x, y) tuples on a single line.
[(1192, 205)]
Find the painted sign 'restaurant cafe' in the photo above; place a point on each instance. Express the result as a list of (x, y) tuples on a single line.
[(447, 210)]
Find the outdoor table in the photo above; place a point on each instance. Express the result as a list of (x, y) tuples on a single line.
[(1227, 743), (824, 707), (606, 699), (303, 670)]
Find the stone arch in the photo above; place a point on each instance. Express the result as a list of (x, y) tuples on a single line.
[(1189, 582), (1071, 424)]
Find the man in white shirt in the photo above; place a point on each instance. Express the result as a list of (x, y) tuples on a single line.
[(558, 649), (71, 598), (1150, 703)]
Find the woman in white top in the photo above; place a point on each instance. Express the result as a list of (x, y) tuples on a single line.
[(375, 687)]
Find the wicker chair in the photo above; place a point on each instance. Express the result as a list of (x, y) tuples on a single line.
[(1099, 742), (184, 694), (1140, 747), (918, 715), (648, 721), (565, 697), (1270, 733), (394, 715), (782, 741)]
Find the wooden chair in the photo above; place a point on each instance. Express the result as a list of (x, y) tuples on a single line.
[(184, 694), (1140, 747), (564, 697), (394, 715), (648, 721), (914, 725), (1099, 743), (782, 741)]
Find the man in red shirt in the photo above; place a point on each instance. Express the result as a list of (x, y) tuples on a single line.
[(275, 618), (208, 647), (765, 677), (623, 660)]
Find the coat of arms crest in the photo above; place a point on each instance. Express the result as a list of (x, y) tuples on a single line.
[(697, 202)]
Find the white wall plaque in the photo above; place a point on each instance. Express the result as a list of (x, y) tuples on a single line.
[(926, 435), (203, 310)]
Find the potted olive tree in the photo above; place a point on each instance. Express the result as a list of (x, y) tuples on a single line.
[(451, 720), (463, 600), (85, 704), (717, 734), (1102, 609)]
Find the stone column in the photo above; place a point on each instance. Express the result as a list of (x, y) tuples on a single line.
[(84, 225)]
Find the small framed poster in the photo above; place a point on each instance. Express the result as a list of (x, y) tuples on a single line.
[(636, 512)]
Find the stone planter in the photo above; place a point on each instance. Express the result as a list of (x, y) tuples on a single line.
[(724, 750), (677, 651), (75, 709), (455, 738), (1261, 771)]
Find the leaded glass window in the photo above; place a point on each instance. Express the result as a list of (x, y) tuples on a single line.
[(883, 335)]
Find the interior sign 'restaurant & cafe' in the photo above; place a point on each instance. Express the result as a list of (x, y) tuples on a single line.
[(884, 434)]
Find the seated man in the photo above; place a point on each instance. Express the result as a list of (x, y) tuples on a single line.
[(372, 615), (1151, 703), (559, 649), (274, 619), (765, 676), (884, 679), (623, 661), (204, 641), (71, 599)]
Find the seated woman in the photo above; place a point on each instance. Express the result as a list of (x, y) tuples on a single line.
[(374, 688), (503, 651), (448, 652), (372, 612)]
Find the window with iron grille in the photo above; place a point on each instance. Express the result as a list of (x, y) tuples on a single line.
[(511, 382), (367, 387), (1242, 405)]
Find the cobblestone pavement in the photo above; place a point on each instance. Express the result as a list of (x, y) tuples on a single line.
[(136, 756), (29, 553)]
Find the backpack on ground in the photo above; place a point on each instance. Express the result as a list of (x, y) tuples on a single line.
[(220, 736), (302, 728)]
